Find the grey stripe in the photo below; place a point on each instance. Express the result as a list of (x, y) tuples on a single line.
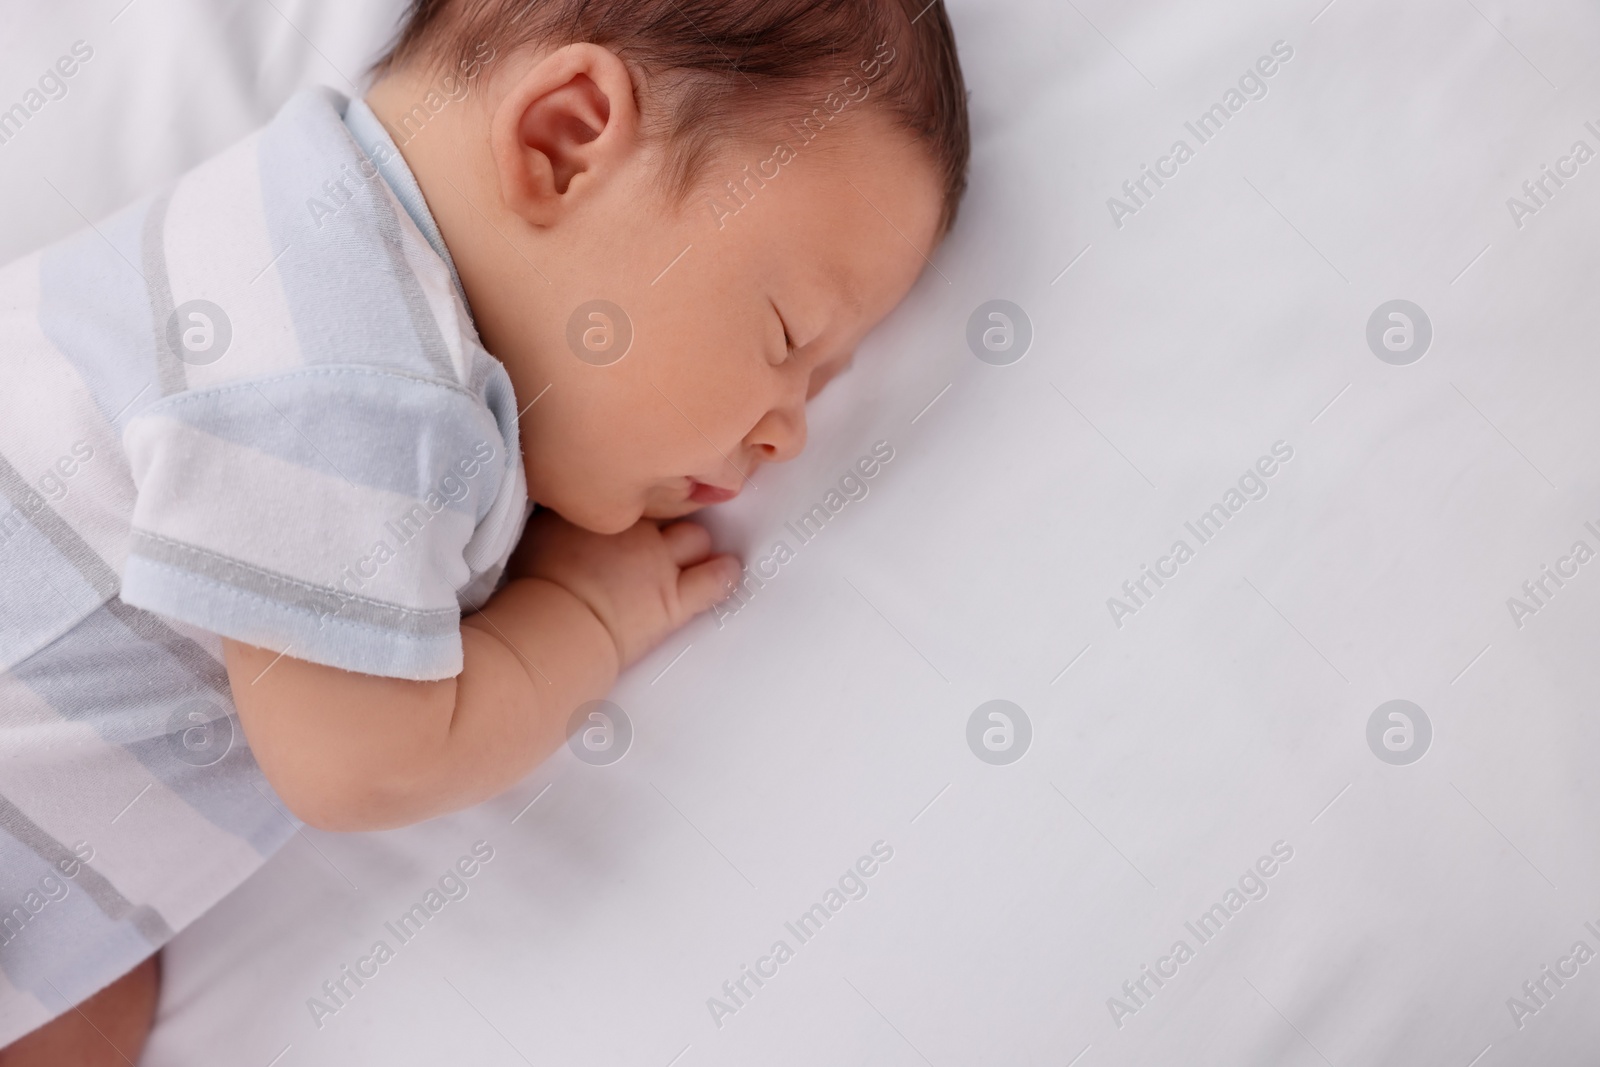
[(169, 368), (128, 690), (481, 366), (189, 654), (95, 571), (116, 907), (291, 592), (104, 581), (423, 323)]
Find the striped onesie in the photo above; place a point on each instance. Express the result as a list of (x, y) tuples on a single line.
[(254, 406)]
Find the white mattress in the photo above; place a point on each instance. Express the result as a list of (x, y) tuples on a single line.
[(1169, 754)]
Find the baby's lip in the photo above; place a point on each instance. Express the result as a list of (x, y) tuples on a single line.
[(703, 493)]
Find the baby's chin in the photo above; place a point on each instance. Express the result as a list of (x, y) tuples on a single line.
[(615, 512), (667, 510)]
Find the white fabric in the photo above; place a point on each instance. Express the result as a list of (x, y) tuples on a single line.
[(1228, 715)]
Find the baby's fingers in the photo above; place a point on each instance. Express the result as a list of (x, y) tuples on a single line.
[(687, 542), (708, 583)]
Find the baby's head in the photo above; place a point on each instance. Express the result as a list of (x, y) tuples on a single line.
[(676, 219)]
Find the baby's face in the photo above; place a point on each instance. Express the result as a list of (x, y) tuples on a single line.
[(737, 319)]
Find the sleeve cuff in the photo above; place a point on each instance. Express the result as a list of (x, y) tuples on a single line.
[(314, 623)]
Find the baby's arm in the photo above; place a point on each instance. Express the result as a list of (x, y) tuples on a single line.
[(350, 751)]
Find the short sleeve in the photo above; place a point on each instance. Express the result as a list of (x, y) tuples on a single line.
[(331, 513)]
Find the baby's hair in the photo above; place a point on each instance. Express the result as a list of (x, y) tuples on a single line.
[(713, 69)]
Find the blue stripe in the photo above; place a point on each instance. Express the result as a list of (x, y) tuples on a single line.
[(343, 274), (128, 690), (41, 595), (372, 138), (50, 578), (325, 637), (367, 425), (70, 948), (95, 308)]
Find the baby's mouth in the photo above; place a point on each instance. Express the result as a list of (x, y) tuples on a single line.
[(701, 493)]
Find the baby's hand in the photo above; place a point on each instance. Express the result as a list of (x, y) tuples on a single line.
[(642, 584)]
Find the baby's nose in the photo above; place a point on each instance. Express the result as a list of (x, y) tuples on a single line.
[(780, 435)]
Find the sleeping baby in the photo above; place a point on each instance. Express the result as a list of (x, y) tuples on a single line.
[(340, 473)]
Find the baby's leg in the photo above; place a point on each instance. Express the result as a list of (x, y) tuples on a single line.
[(109, 1028)]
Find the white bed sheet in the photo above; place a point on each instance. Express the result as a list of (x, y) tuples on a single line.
[(1169, 754)]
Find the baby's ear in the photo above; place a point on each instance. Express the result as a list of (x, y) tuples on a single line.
[(567, 124)]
